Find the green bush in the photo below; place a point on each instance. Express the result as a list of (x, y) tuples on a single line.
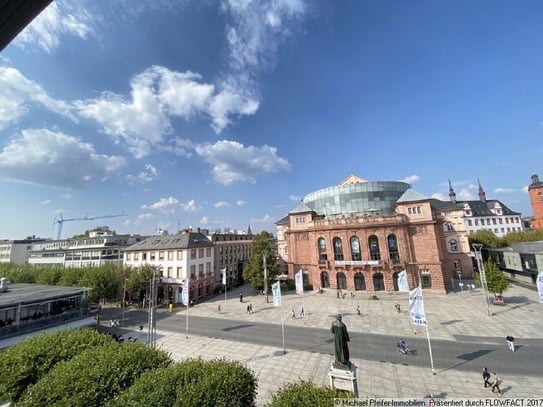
[(193, 382), (95, 376), (26, 362), (304, 393)]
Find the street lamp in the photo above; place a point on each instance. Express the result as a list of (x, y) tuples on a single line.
[(265, 276), (477, 248)]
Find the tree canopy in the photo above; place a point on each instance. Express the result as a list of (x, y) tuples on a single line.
[(262, 247), (496, 281)]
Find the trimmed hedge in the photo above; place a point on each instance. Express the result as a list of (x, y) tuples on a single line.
[(23, 364), (304, 393), (193, 382), (95, 376)]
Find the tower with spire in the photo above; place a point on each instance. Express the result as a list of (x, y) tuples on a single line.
[(452, 194), (482, 194)]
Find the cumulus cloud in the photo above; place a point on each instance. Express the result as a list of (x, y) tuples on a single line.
[(18, 94), (241, 202), (411, 179), (190, 206), (45, 202), (146, 216), (505, 190), (56, 21), (221, 204), (233, 162), (164, 205), (45, 157), (147, 175), (439, 195)]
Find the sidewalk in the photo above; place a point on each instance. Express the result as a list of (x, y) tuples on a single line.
[(450, 317)]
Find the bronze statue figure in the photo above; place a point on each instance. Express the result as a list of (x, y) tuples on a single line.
[(341, 339)]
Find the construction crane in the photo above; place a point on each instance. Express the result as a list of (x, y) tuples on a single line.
[(59, 221)]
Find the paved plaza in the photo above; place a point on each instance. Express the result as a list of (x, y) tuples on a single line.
[(455, 316)]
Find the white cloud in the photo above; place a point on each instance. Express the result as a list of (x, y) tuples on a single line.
[(146, 216), (164, 205), (46, 202), (44, 157), (204, 221), (17, 94), (190, 206), (66, 196), (295, 198), (411, 179), (241, 202), (265, 219), (180, 147), (233, 161), (147, 175), (465, 194), (439, 195), (505, 190), (221, 204), (59, 19)]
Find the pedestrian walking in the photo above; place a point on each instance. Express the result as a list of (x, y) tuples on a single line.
[(398, 307), (510, 342), (495, 383), (486, 377), (219, 308), (293, 315), (358, 310), (302, 312), (240, 297), (248, 308)]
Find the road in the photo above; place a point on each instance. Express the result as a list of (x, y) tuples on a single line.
[(468, 355)]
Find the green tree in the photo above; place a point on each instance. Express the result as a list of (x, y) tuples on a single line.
[(487, 238), (49, 275), (192, 382), (262, 247), (71, 277), (496, 281), (104, 282), (26, 362), (534, 235), (16, 273), (95, 376), (304, 393)]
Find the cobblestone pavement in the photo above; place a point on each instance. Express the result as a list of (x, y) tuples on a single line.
[(455, 316)]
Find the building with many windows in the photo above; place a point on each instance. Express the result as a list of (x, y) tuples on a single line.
[(101, 247), (232, 252), (483, 214), (359, 235), (184, 256), (16, 251)]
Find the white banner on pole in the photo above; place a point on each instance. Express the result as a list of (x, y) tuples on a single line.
[(185, 292), (276, 291), (416, 307), (223, 271), (402, 282), (299, 281), (540, 286)]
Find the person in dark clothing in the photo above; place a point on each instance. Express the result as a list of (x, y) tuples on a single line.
[(510, 342), (240, 297), (486, 377)]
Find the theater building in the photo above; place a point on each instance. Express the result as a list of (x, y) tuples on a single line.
[(359, 235)]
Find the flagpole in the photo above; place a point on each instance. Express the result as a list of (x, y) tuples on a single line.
[(429, 343), (283, 330)]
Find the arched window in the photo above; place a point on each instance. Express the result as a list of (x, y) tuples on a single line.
[(355, 249), (393, 248), (453, 245), (373, 243), (378, 282), (341, 281), (359, 282), (338, 249), (321, 245), (325, 280)]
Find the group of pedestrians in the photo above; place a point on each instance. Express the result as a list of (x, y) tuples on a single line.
[(301, 314), (491, 380)]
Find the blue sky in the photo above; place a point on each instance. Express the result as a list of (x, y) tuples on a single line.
[(223, 114)]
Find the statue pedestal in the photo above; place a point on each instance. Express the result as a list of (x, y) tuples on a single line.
[(343, 379)]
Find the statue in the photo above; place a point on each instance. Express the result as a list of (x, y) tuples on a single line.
[(341, 339)]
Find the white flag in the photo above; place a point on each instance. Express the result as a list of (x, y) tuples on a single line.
[(299, 280), (402, 282), (276, 291), (223, 271), (185, 293), (540, 286), (416, 307)]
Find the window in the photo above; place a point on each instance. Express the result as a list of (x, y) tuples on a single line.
[(136, 256), (200, 269), (453, 245), (208, 268), (426, 281), (200, 253), (179, 272), (128, 256), (180, 255), (300, 219), (170, 270), (192, 271), (476, 222), (373, 243), (143, 256), (393, 248), (355, 249), (457, 265), (161, 256), (449, 227), (192, 253), (208, 252), (170, 255), (153, 256), (321, 246), (338, 249), (469, 222)]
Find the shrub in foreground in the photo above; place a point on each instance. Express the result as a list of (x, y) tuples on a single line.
[(95, 376), (304, 393), (23, 364), (193, 382)]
